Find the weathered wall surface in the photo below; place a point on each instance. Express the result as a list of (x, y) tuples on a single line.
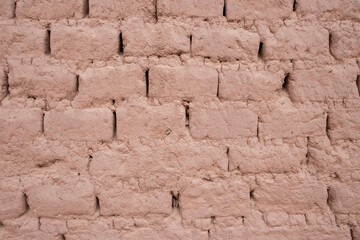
[(166, 119)]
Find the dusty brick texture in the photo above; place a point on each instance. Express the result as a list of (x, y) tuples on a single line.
[(169, 119)]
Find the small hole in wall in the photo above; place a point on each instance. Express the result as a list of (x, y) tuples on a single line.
[(86, 8), (77, 84), (294, 5), (260, 51), (97, 203), (285, 85), (47, 42), (328, 195), (121, 44), (114, 126), (358, 84), (327, 127), (26, 199), (330, 41), (6, 84), (252, 194), (14, 10), (190, 43), (175, 200), (156, 10), (147, 82), (224, 9), (352, 234), (186, 105), (43, 124)]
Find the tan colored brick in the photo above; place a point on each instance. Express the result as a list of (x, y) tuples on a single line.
[(187, 158), (292, 193), (225, 44), (7, 9), (276, 219), (22, 40), (297, 42), (255, 157), (290, 121), (79, 125), (51, 197), (344, 198), (310, 233), (203, 199), (177, 83), (111, 83), (43, 154), (82, 42), (221, 121), (344, 124), (51, 9), (54, 226), (344, 41), (340, 158), (12, 204), (270, 10), (322, 83), (122, 9), (124, 202), (42, 81), (137, 121), (18, 125), (249, 85), (3, 83), (146, 39), (329, 9), (193, 8), (173, 231)]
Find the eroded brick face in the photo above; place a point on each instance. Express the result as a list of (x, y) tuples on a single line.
[(169, 119)]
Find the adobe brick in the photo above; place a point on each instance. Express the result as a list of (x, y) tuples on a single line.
[(344, 124), (18, 125), (204, 199), (336, 82), (270, 10), (146, 39), (221, 121), (42, 81), (257, 157), (73, 196), (249, 85), (191, 8), (185, 82), (290, 121), (144, 9), (83, 42), (7, 9), (225, 44), (329, 10), (79, 125), (137, 121), (22, 40), (303, 42), (111, 83), (50, 10), (292, 193)]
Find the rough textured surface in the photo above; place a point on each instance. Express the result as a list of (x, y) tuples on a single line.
[(169, 119)]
